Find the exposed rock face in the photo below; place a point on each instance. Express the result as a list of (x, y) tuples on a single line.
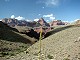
[(57, 22), (38, 26), (13, 22), (10, 22), (43, 26), (78, 22), (22, 23), (43, 22), (31, 24)]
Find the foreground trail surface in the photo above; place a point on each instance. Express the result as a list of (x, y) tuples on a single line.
[(63, 45)]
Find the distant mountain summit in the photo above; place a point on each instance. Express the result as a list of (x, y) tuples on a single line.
[(12, 22), (43, 22)]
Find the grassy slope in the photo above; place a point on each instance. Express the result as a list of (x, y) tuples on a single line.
[(63, 45), (12, 42)]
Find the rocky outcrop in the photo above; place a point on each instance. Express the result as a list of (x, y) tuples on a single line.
[(57, 22), (42, 25), (12, 22), (43, 22), (78, 22)]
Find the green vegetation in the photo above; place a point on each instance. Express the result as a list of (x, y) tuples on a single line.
[(50, 57), (66, 59), (12, 48)]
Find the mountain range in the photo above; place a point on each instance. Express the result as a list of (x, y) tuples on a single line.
[(12, 22)]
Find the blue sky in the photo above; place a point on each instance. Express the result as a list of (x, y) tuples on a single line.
[(65, 10)]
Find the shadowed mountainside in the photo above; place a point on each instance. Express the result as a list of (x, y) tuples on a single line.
[(12, 42), (9, 34)]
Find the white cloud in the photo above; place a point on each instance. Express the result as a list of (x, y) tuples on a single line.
[(71, 21), (50, 16), (20, 18), (47, 20), (68, 21), (12, 16), (28, 20), (0, 20), (76, 19), (36, 20), (65, 21)]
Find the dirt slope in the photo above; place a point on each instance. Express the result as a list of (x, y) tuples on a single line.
[(63, 45)]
